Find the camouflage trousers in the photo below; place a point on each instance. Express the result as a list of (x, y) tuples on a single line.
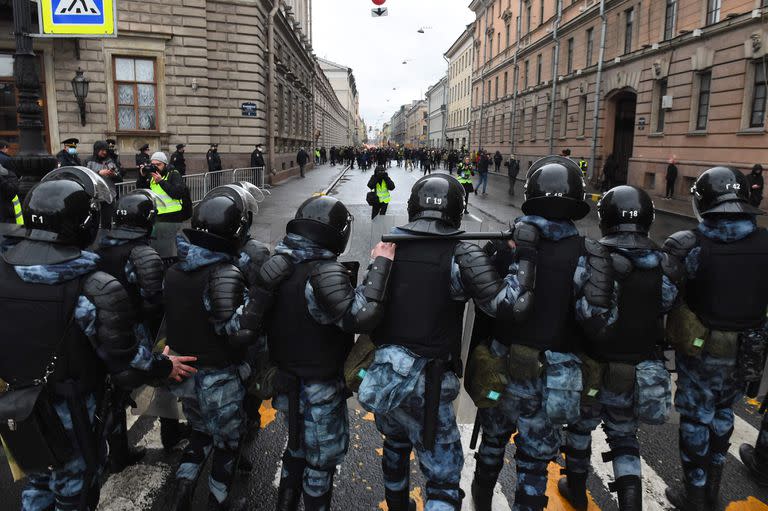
[(403, 430), (212, 401), (324, 436), (497, 426), (62, 488), (617, 413), (762, 438), (707, 388)]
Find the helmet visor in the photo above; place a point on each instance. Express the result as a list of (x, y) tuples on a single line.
[(252, 189), (91, 181), (246, 199)]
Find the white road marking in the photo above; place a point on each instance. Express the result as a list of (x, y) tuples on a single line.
[(743, 433), (499, 499)]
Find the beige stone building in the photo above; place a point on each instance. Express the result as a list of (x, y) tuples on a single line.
[(331, 118), (179, 72), (679, 78), (416, 124), (460, 64), (342, 80)]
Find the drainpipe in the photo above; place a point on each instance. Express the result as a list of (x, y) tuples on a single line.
[(271, 84), (596, 114), (446, 91), (555, 65), (516, 73)]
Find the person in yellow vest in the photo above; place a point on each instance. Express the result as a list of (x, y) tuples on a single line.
[(163, 179), (10, 205), (382, 184), (464, 174)]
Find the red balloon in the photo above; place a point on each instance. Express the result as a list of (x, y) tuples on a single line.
[(379, 2)]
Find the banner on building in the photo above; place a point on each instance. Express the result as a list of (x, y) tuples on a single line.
[(77, 18)]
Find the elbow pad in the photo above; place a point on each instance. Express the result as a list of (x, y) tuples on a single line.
[(149, 271), (260, 300), (226, 289), (242, 338), (680, 244), (115, 316), (598, 290), (478, 274), (377, 280), (672, 268), (258, 254), (274, 271), (332, 285), (369, 317)]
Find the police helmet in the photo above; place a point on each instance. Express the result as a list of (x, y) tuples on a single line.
[(625, 209), (135, 214), (324, 220), (722, 190), (555, 190), (436, 205), (222, 220)]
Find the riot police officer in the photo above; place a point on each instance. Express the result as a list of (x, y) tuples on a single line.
[(85, 336), (719, 333), (540, 340), (125, 254), (624, 378), (414, 376), (207, 315), (315, 313)]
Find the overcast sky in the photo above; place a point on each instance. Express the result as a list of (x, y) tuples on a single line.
[(344, 32)]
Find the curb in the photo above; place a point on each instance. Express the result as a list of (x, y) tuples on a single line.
[(334, 182)]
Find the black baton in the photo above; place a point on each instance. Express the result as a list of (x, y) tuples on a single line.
[(475, 432), (396, 238)]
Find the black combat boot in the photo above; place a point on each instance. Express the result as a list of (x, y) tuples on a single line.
[(755, 463), (714, 478), (629, 490), (399, 500), (691, 498), (483, 484), (573, 488), (321, 503), (289, 492), (229, 504), (181, 496)]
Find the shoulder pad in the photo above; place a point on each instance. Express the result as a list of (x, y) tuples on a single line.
[(478, 274), (226, 289), (672, 268), (526, 233), (622, 266), (106, 293), (680, 243), (332, 285), (149, 268), (598, 288), (594, 248), (275, 270), (257, 251)]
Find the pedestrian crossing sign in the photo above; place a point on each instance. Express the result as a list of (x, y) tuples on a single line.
[(78, 18)]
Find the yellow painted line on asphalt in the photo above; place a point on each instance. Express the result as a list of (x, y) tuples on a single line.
[(268, 413), (751, 504), (556, 501)]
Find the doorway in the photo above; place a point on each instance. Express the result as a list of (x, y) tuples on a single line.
[(625, 104)]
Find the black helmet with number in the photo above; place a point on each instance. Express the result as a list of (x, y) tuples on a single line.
[(626, 214), (554, 189), (722, 190), (222, 220), (135, 215), (61, 217), (436, 205), (324, 220)]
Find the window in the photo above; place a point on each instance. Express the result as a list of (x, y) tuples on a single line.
[(541, 12), (538, 69), (489, 90), (563, 118), (569, 61), (135, 94), (547, 126), (702, 111), (498, 42), (582, 115), (490, 47), (507, 36), (526, 69), (629, 18), (590, 46), (521, 125), (713, 11), (506, 83), (670, 17), (497, 87), (661, 87), (534, 122), (757, 113), (528, 16)]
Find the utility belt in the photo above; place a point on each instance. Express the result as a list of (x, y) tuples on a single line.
[(648, 383), (690, 337)]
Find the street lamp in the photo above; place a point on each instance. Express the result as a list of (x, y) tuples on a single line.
[(80, 86)]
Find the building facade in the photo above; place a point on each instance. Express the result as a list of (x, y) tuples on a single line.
[(398, 126), (436, 110), (331, 118), (171, 76), (459, 89), (342, 80), (416, 124), (682, 79)]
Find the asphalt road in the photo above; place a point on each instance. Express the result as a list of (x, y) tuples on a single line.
[(358, 485)]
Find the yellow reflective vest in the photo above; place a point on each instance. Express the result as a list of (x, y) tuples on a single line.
[(465, 174), (170, 205), (383, 192), (17, 210)]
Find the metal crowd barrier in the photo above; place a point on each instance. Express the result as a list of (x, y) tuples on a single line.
[(200, 184)]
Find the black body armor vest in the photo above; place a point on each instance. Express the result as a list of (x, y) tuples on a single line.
[(730, 291), (112, 260), (188, 325), (297, 343), (552, 324), (35, 319), (420, 314)]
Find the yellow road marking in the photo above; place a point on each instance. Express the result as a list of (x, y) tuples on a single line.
[(751, 504), (556, 501), (268, 413)]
